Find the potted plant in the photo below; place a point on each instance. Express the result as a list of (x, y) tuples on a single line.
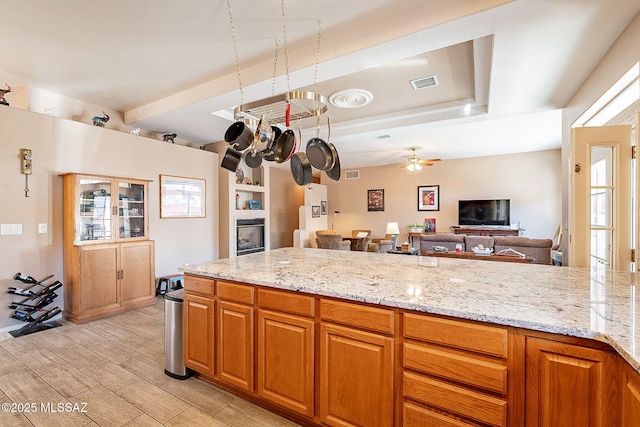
[(415, 228)]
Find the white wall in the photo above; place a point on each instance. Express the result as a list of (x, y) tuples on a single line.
[(622, 55), (532, 181), (60, 146)]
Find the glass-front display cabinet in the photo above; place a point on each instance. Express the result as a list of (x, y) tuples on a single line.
[(106, 209)]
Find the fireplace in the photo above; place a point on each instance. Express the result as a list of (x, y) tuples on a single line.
[(250, 236)]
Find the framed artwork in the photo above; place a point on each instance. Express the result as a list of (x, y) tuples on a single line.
[(430, 225), (375, 200), (429, 198), (254, 204), (315, 211), (182, 197), (323, 207)]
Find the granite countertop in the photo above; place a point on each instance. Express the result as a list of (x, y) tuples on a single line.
[(562, 300)]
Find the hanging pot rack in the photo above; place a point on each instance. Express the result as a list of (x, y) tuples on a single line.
[(303, 104), (268, 140)]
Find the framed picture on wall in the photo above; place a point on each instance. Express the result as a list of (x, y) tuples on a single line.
[(429, 198), (430, 225), (375, 200), (323, 207), (182, 197), (315, 211)]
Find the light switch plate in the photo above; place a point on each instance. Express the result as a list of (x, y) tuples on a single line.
[(42, 228), (8, 229)]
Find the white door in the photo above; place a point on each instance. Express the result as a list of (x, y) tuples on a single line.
[(601, 232)]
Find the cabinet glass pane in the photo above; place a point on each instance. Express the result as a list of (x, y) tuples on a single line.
[(131, 210), (95, 210)]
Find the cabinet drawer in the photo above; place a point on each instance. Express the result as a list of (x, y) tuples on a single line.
[(235, 292), (456, 367), (458, 400), (375, 319), (467, 336), (286, 302), (414, 416), (199, 285)]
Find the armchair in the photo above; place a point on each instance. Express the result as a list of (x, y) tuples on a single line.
[(380, 244), (329, 239), (362, 242)]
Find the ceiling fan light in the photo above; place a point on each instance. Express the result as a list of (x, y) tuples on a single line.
[(418, 166), (413, 167)]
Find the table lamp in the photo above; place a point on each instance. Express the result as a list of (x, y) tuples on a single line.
[(394, 231)]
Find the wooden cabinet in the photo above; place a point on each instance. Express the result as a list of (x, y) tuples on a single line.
[(234, 336), (486, 231), (100, 209), (356, 367), (323, 361), (101, 280), (629, 395), (199, 327), (570, 385), (457, 369), (285, 365), (108, 259)]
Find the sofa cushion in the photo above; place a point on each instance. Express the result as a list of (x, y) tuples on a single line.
[(538, 249), (473, 241), (447, 240)]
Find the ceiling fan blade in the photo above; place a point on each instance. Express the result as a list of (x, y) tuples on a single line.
[(428, 162)]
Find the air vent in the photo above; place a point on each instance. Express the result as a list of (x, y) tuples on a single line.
[(424, 82), (352, 174)]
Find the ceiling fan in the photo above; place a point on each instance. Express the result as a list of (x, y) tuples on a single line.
[(415, 163)]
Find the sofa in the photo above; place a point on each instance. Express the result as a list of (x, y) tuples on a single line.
[(537, 249)]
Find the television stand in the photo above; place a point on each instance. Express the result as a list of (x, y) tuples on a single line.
[(486, 231)]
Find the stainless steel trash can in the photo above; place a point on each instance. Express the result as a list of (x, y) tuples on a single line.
[(173, 335)]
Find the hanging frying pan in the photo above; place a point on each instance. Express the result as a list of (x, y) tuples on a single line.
[(253, 158), (318, 151), (231, 159), (269, 153), (239, 136), (286, 144), (264, 136), (301, 169), (334, 172)]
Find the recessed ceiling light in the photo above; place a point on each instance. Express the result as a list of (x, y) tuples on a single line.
[(424, 82), (351, 98)]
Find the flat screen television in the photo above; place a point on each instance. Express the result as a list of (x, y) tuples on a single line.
[(484, 212)]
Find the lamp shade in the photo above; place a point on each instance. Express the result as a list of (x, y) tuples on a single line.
[(392, 228)]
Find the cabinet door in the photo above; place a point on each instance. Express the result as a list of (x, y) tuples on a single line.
[(235, 345), (356, 377), (93, 208), (569, 385), (137, 272), (630, 396), (285, 360), (132, 212), (98, 282), (198, 333)]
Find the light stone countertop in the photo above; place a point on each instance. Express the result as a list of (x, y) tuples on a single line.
[(563, 300)]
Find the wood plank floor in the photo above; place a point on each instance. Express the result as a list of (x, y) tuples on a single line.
[(116, 367)]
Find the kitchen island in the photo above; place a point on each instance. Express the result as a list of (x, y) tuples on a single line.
[(533, 342)]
